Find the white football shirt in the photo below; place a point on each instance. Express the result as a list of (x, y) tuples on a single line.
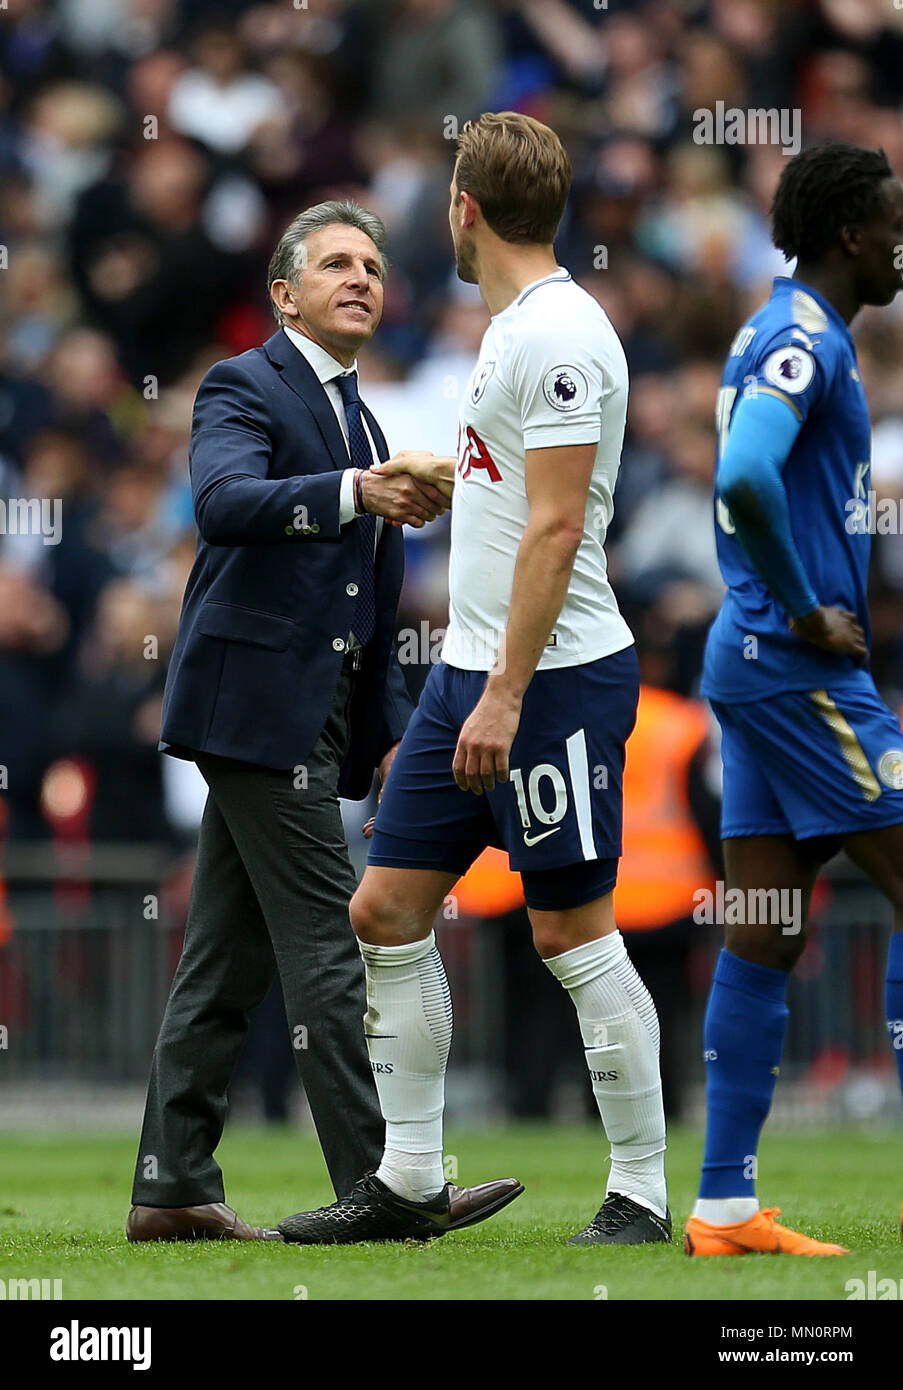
[(551, 372)]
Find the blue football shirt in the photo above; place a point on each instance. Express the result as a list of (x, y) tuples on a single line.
[(798, 348)]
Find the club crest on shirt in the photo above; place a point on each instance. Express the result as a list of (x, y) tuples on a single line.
[(890, 768), (481, 380), (565, 388), (790, 368)]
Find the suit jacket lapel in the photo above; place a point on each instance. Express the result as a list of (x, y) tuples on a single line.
[(300, 377)]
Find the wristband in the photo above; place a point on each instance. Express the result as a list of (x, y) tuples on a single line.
[(359, 492)]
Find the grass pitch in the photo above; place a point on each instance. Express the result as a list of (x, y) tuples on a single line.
[(64, 1199)]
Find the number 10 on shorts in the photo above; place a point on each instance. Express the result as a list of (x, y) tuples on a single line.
[(529, 798), (542, 796)]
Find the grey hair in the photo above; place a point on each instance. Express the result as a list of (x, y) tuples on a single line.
[(288, 259)]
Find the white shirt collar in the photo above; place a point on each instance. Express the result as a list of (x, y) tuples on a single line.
[(324, 364), (561, 274)]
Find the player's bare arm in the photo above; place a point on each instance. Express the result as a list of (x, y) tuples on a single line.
[(557, 483)]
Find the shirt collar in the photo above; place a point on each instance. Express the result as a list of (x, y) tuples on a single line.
[(559, 275), (789, 284), (324, 364)]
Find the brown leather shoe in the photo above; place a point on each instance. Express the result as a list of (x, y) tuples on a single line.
[(468, 1205), (213, 1221)]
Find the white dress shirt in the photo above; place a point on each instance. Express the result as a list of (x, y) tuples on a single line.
[(328, 369)]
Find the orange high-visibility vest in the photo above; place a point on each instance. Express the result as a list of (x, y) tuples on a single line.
[(6, 921), (664, 860), (490, 887)]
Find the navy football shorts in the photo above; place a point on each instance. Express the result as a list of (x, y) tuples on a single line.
[(811, 762), (559, 813)]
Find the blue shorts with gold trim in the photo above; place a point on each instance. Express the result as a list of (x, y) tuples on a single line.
[(811, 762)]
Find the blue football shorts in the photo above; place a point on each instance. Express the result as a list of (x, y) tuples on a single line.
[(559, 813), (811, 762)]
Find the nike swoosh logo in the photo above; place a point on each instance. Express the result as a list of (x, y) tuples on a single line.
[(437, 1218), (535, 839)]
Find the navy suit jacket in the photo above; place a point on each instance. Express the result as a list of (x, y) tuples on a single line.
[(272, 593)]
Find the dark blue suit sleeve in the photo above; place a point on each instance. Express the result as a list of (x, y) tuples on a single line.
[(235, 501), (397, 707)]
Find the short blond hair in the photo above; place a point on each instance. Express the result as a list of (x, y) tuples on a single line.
[(518, 171)]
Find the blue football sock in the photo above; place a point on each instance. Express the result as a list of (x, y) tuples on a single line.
[(893, 998), (743, 1037)]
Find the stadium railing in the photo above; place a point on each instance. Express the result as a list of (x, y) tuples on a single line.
[(85, 976)]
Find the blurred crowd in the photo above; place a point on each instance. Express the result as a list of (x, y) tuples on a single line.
[(152, 152)]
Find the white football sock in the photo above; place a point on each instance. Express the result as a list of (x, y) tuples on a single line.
[(725, 1211), (620, 1032), (408, 1024)]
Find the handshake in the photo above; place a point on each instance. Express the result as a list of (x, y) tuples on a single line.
[(413, 487)]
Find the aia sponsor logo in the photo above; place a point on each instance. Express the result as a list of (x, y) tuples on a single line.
[(474, 454)]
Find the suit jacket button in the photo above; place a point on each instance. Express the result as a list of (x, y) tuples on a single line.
[(338, 644), (351, 590)]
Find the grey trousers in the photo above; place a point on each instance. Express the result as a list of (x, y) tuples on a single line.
[(271, 890)]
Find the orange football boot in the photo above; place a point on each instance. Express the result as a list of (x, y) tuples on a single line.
[(760, 1234)]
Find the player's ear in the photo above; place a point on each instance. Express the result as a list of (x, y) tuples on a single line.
[(470, 208), (850, 239), (281, 295)]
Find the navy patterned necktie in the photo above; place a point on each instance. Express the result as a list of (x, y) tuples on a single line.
[(361, 457)]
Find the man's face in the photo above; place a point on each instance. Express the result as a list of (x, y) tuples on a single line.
[(465, 254), (880, 266), (338, 300)]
